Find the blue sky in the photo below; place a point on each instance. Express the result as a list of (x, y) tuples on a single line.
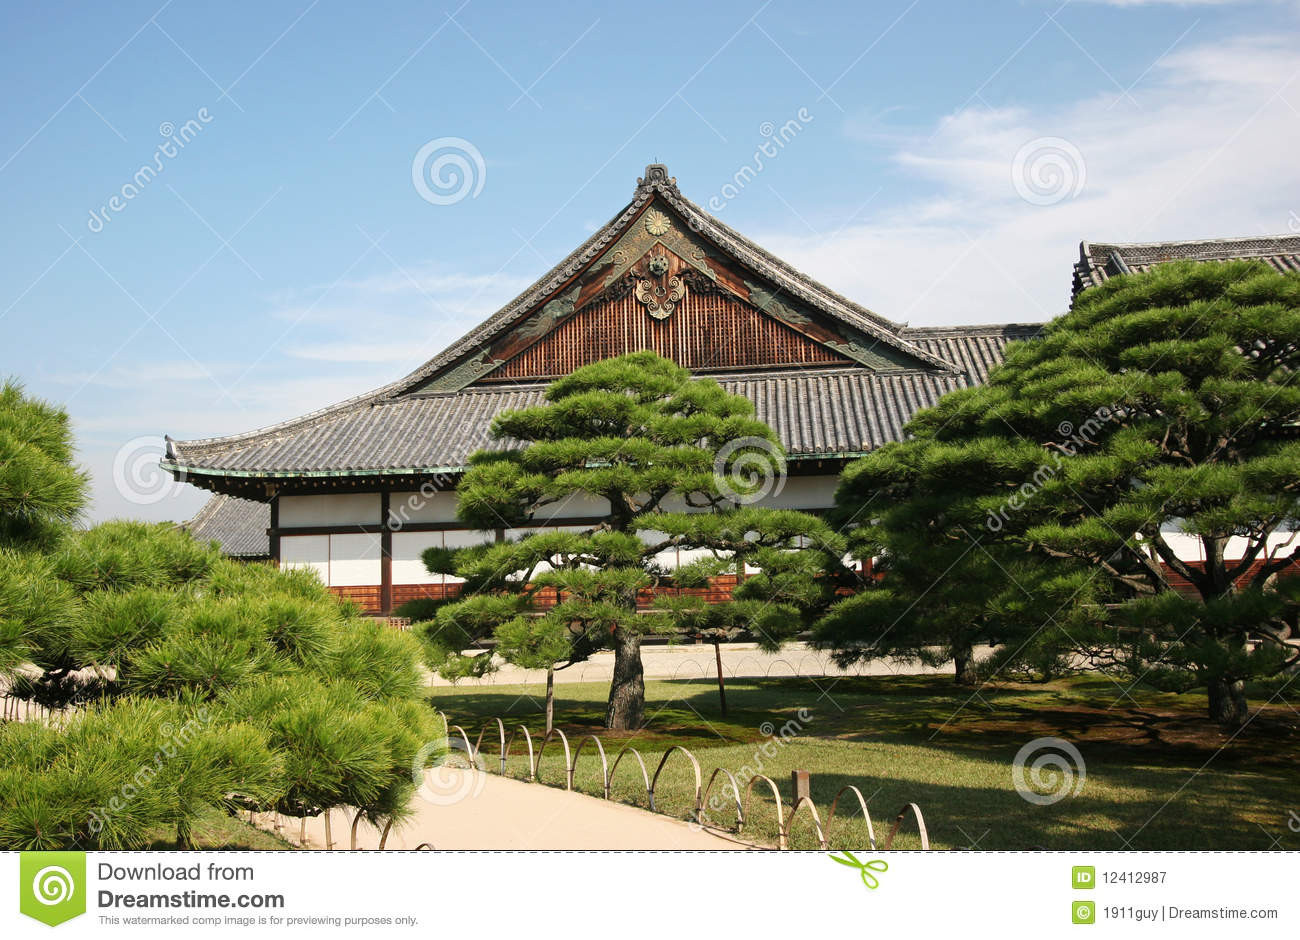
[(283, 259)]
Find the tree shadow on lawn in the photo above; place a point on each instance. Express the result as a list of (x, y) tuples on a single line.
[(1207, 813), (675, 721), (930, 711), (1155, 769)]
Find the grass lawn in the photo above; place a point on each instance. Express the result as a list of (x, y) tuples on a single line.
[(1158, 774)]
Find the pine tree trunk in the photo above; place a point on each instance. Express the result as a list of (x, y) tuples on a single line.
[(626, 708), (964, 667), (1228, 702), (550, 699), (184, 834)]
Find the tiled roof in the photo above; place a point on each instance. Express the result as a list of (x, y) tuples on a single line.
[(239, 525), (815, 412), (973, 349), (655, 185), (1098, 261)]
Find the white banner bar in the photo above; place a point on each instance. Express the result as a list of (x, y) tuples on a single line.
[(652, 894)]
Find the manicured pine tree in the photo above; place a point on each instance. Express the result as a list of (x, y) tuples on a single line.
[(41, 491), (661, 460), (187, 648), (945, 583), (1162, 409)]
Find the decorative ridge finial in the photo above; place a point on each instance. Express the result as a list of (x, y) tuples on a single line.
[(656, 173)]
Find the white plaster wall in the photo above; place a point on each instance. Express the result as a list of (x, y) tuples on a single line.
[(330, 509), (1281, 543), (424, 506), (574, 506), (665, 559), (515, 535), (306, 551), (1189, 547), (801, 492), (354, 559), (407, 566), (349, 559), (812, 492)]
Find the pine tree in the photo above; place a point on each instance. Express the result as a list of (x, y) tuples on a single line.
[(1159, 413), (164, 654), (658, 462), (944, 586), (41, 492)]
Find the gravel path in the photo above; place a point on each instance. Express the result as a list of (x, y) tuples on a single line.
[(464, 809)]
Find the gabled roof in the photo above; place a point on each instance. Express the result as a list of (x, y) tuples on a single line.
[(783, 286), (1100, 261), (657, 183), (432, 419)]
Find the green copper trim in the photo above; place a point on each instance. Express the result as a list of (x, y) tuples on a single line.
[(179, 468)]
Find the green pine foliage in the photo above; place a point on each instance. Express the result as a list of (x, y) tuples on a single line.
[(115, 775), (662, 457), (41, 491), (187, 681), (1163, 406)]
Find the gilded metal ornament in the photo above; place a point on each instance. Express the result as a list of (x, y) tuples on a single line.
[(660, 301), (656, 223)]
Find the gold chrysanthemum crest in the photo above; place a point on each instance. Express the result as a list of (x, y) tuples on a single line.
[(656, 223)]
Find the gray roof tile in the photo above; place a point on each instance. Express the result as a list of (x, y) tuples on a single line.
[(816, 412), (1100, 261), (238, 525)]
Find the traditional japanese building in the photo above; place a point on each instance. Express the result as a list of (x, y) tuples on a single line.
[(359, 489)]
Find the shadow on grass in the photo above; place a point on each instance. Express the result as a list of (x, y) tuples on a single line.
[(1159, 775)]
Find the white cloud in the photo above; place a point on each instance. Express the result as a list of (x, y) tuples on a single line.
[(370, 330), (400, 316), (452, 288), (147, 373), (1207, 150)]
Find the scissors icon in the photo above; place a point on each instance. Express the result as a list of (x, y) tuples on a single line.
[(1293, 823), (868, 879)]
